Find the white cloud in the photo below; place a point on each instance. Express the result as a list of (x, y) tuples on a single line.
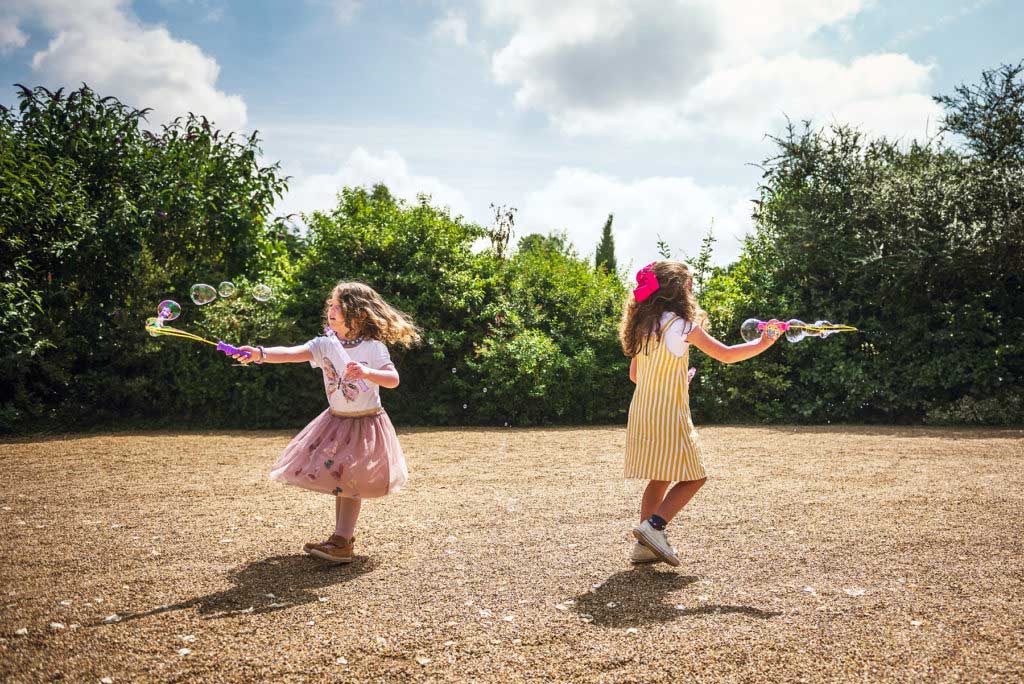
[(679, 209), (101, 43), (885, 94), (452, 27), (758, 28), (598, 55), (319, 191), (649, 69), (11, 37)]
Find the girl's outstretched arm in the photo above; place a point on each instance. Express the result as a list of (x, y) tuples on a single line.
[(276, 354), (726, 354)]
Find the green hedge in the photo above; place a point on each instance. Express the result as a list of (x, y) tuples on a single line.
[(920, 245)]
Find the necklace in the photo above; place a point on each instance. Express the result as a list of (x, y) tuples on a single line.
[(348, 344)]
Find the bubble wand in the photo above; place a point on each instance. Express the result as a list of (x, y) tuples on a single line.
[(794, 329), (169, 310)]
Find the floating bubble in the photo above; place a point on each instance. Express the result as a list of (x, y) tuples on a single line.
[(261, 293), (226, 289), (168, 310), (153, 323), (465, 406), (453, 370), (202, 293), (749, 330), (796, 330), (485, 390)]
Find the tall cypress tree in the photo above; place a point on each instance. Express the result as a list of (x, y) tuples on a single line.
[(606, 247)]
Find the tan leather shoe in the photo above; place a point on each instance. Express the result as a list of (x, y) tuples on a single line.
[(309, 546), (337, 549)]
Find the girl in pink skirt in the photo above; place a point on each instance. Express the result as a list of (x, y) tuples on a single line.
[(349, 451)]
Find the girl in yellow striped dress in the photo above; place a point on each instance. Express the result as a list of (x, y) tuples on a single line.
[(659, 323)]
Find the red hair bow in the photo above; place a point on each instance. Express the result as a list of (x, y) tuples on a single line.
[(647, 283)]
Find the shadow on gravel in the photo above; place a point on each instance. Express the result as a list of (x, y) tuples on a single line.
[(637, 597), (292, 580)]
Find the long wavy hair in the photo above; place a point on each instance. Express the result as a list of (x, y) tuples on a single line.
[(366, 313), (641, 321)]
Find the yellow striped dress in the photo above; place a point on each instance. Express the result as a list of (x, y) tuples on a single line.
[(661, 442)]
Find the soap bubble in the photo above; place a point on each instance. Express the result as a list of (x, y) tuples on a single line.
[(168, 310), (796, 330), (226, 289), (750, 331), (485, 390), (816, 333), (261, 293), (154, 322), (453, 370), (202, 293), (825, 324), (465, 406)]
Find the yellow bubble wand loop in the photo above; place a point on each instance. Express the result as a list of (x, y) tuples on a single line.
[(168, 310), (155, 326), (829, 329), (155, 329)]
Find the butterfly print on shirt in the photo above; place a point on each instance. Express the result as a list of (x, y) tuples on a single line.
[(335, 382)]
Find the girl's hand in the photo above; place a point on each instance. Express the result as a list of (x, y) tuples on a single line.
[(355, 371), (254, 355), (771, 333)]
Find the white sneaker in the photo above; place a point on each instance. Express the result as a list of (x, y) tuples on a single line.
[(642, 554), (657, 542)]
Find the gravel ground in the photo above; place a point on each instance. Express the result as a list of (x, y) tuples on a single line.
[(812, 554)]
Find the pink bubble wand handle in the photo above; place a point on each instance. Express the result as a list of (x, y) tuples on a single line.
[(778, 325)]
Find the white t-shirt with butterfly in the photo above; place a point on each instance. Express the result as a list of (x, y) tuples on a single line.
[(331, 356)]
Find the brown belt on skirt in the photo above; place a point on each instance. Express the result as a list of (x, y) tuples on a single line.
[(357, 414)]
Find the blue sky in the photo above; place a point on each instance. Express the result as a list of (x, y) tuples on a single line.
[(652, 110)]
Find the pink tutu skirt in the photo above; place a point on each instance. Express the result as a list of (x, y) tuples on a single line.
[(357, 457)]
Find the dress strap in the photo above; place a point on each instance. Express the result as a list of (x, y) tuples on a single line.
[(688, 328), (668, 324)]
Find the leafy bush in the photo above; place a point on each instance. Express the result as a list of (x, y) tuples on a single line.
[(554, 355), (920, 245), (99, 220)]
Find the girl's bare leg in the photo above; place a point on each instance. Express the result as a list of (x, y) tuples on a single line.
[(678, 497), (654, 494), (346, 513)]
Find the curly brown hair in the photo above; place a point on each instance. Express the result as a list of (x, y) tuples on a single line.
[(641, 321), (366, 311)]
